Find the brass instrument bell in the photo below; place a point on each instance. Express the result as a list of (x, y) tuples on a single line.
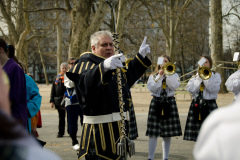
[(204, 72), (169, 68)]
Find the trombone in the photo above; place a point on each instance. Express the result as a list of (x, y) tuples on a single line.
[(237, 63), (203, 72), (169, 69)]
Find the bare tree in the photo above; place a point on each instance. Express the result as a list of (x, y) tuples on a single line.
[(82, 23), (18, 23), (217, 38), (192, 39), (167, 14)]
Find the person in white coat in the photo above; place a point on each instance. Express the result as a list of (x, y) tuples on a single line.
[(233, 83), (219, 135), (72, 106), (163, 117), (204, 93)]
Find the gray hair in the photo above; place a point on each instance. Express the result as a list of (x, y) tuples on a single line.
[(95, 37), (62, 64)]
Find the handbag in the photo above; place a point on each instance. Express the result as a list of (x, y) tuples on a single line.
[(58, 101)]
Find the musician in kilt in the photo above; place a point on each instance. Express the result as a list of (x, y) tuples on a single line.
[(94, 75), (203, 101), (233, 81), (163, 118)]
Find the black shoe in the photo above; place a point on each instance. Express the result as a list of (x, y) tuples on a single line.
[(59, 136)]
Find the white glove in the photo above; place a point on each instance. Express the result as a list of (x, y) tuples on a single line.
[(144, 48), (113, 62)]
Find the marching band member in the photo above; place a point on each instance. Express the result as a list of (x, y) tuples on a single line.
[(96, 84), (233, 82), (204, 93), (163, 117)]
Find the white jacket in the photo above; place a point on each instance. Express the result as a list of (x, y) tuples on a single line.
[(154, 84), (211, 86), (233, 83), (219, 135), (69, 84)]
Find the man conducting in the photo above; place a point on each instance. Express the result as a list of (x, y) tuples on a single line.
[(95, 78)]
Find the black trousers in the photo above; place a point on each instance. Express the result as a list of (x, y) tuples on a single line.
[(61, 123)]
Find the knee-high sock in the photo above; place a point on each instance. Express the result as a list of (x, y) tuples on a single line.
[(152, 147), (166, 147)]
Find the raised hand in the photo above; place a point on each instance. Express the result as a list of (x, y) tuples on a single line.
[(144, 48)]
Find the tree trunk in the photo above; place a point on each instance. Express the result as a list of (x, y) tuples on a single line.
[(171, 53), (81, 26), (23, 31), (217, 38), (79, 18), (182, 63), (43, 64), (121, 21), (59, 46), (59, 41)]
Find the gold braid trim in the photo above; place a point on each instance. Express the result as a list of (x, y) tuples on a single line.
[(102, 136), (112, 137), (84, 135), (74, 68), (80, 70), (86, 65), (141, 62), (101, 74), (87, 142), (92, 66)]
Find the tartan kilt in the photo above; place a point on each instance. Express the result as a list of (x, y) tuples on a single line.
[(163, 128), (133, 132), (192, 127)]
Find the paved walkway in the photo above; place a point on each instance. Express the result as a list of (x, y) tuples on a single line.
[(180, 149)]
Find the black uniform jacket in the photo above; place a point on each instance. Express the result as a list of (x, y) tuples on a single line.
[(98, 95)]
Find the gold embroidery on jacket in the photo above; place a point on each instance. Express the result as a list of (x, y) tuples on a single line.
[(87, 142), (84, 135), (86, 65), (141, 62), (80, 70), (74, 68), (101, 74), (112, 137), (103, 143), (92, 66)]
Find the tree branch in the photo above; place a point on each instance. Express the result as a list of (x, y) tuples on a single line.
[(229, 14), (47, 9)]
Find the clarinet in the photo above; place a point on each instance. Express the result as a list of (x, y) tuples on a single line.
[(122, 145)]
